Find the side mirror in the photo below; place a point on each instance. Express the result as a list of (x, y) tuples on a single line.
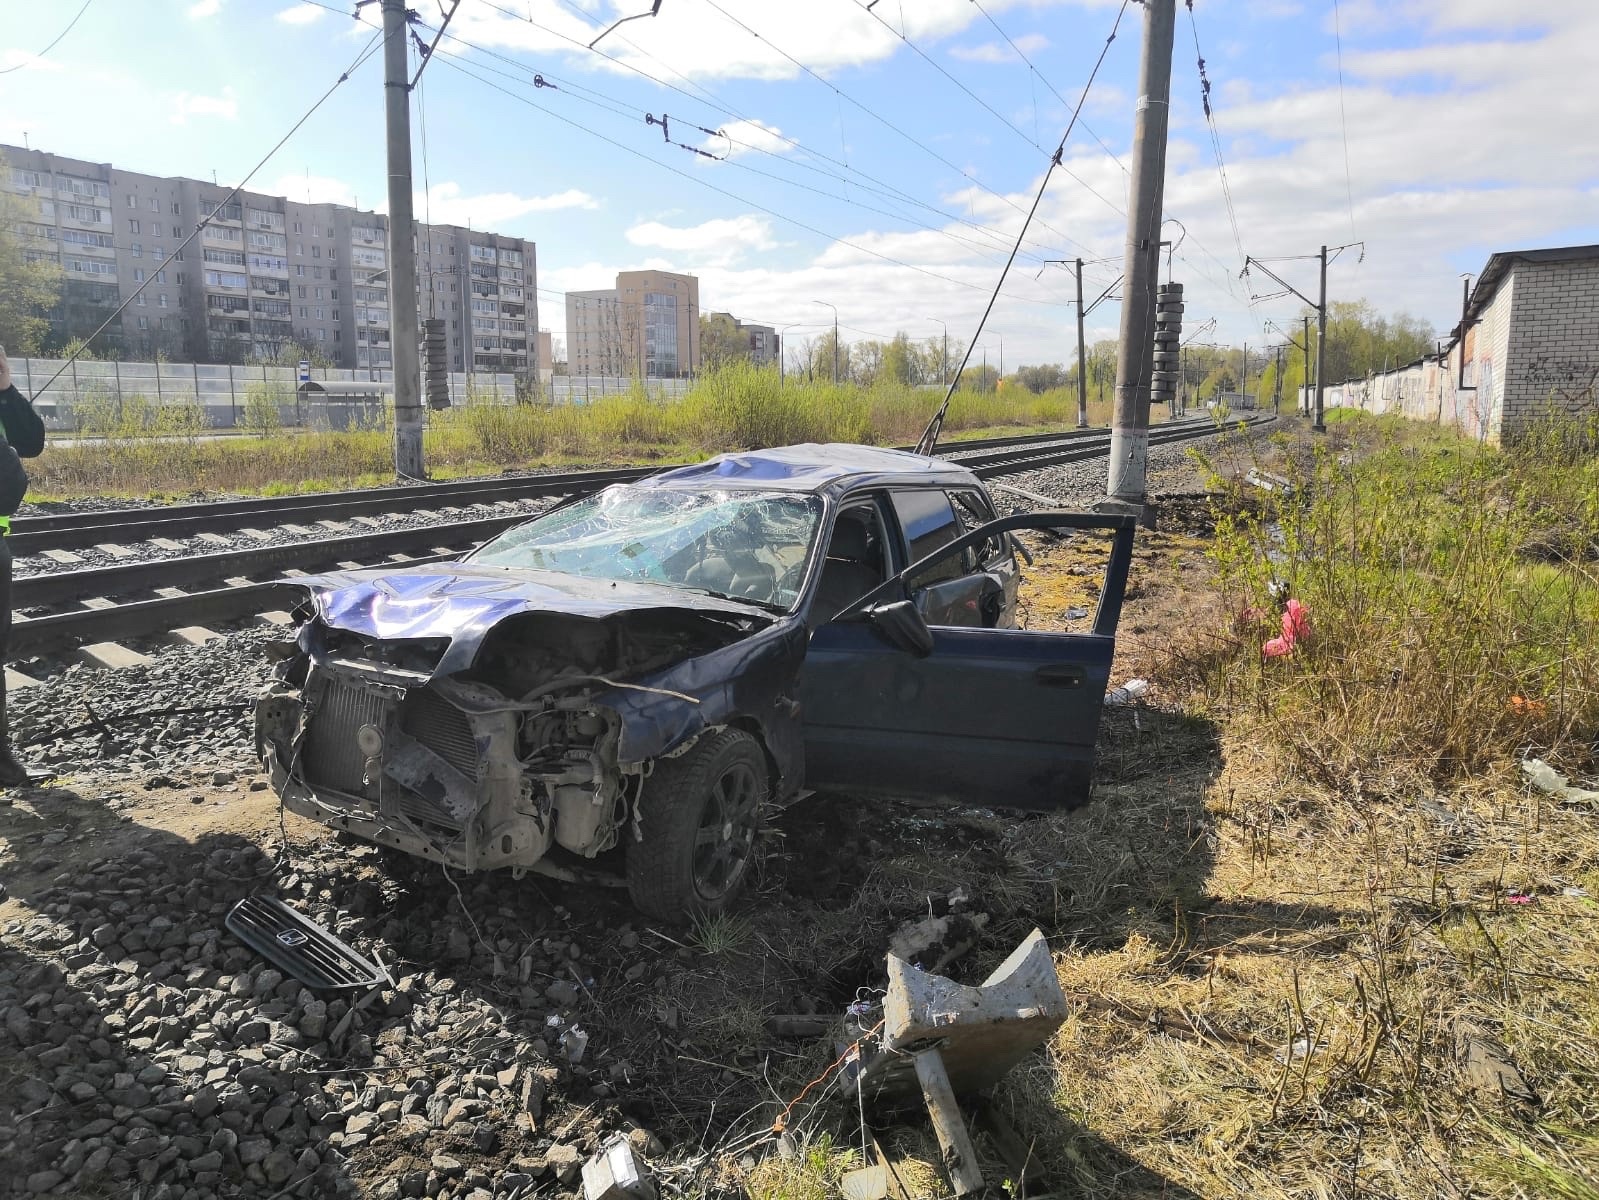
[(901, 625)]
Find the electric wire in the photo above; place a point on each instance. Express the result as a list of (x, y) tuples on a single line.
[(1039, 75), (600, 100), (884, 121), (1006, 121), (929, 439), (771, 212), (1215, 136), (1343, 117), (883, 188), (53, 43), (367, 51)]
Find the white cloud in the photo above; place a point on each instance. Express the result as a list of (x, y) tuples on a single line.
[(490, 210), (204, 8), (745, 137), (703, 44), (999, 52), (719, 240), (301, 14), (190, 104), (12, 59)]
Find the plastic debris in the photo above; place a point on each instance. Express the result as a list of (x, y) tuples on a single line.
[(1128, 692), (1546, 779), (1518, 898), (574, 1042), (1576, 892), (1300, 1047), (1296, 629), (1075, 614)]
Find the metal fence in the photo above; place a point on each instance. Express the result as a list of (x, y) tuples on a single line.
[(223, 392), (90, 392)]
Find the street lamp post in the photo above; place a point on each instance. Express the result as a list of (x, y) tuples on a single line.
[(834, 307)]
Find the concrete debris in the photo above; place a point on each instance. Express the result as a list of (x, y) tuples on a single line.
[(933, 943), (617, 1173)]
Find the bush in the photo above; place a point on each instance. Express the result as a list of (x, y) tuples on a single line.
[(1453, 600)]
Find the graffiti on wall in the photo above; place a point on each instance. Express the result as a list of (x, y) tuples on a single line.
[(1546, 370)]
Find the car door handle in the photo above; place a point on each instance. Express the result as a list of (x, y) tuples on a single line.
[(1060, 675)]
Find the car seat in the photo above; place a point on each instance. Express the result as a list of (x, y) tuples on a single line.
[(853, 568)]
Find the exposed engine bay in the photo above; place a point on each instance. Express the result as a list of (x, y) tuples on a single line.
[(536, 744)]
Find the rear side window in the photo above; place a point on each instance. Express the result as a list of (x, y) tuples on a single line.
[(929, 522)]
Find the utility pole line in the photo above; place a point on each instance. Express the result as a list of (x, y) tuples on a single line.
[(1277, 384), (1244, 386), (1129, 436), (409, 462), (1320, 426), (1304, 406), (1082, 360)]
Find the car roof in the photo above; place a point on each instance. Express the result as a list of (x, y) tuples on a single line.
[(831, 468)]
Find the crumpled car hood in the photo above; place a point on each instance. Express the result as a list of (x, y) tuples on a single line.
[(463, 603)]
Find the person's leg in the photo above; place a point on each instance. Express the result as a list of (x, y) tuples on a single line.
[(12, 773)]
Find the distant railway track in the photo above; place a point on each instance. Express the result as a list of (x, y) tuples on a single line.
[(61, 610)]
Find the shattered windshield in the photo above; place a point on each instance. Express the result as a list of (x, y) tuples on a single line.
[(741, 545)]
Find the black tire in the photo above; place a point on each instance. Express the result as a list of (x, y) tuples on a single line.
[(699, 818)]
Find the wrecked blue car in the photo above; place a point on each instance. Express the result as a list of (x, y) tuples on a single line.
[(658, 664)]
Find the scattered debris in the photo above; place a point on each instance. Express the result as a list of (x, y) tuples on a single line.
[(301, 947), (1486, 1067), (1296, 629), (932, 943), (1546, 779), (617, 1173), (1269, 481), (942, 1038), (1132, 690)]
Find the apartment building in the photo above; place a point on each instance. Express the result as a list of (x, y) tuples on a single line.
[(268, 277), (761, 340), (648, 326)]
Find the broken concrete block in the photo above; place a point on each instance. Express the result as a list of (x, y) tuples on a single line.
[(617, 1173)]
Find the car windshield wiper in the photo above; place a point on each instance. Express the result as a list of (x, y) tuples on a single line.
[(769, 605)]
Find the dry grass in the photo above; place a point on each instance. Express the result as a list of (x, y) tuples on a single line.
[(144, 449), (1268, 964)]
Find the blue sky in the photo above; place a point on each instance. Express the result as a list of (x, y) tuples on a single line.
[(867, 177)]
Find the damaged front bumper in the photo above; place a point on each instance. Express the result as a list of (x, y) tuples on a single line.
[(447, 770)]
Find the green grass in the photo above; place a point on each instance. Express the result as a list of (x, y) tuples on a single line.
[(1454, 598), (141, 449)]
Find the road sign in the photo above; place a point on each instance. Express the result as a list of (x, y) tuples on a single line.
[(305, 370)]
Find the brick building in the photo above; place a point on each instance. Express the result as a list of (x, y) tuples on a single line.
[(1530, 343), (268, 277)]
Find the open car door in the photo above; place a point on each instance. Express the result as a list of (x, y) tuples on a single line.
[(991, 717)]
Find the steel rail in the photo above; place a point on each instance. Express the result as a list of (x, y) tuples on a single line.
[(244, 597)]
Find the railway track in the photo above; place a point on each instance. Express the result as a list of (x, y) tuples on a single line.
[(105, 605)]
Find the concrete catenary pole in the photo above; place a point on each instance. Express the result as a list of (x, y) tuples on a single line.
[(1082, 358), (1129, 435), (1304, 405), (1321, 344), (408, 459)]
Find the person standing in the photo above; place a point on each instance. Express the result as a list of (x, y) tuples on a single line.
[(23, 438)]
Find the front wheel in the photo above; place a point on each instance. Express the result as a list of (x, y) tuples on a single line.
[(699, 816)]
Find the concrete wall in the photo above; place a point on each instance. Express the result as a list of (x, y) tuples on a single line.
[(1535, 346)]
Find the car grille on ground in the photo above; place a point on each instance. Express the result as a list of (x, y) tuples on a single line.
[(332, 757), (442, 728)]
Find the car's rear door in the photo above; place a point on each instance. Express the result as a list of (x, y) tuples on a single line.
[(992, 717)]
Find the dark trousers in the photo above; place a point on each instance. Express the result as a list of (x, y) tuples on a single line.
[(5, 632)]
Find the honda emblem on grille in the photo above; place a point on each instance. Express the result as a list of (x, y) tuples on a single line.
[(293, 937)]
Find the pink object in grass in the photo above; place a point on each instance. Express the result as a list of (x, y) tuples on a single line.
[(1296, 628)]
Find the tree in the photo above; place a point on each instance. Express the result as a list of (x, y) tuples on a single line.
[(899, 360), (30, 280), (1042, 378), (720, 341)]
